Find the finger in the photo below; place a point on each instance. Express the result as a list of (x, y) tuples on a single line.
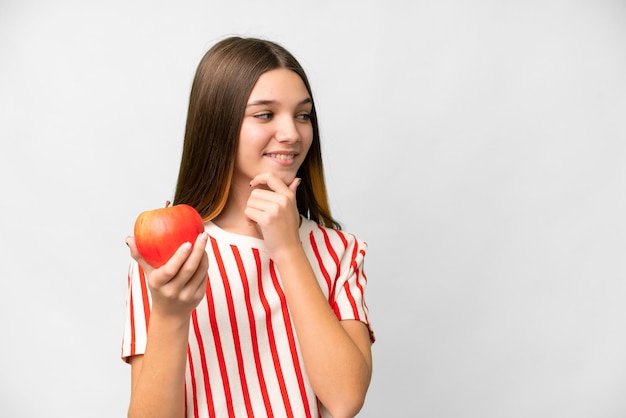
[(262, 197), (293, 186), (199, 283), (267, 201), (190, 263), (270, 180), (134, 253), (130, 241), (255, 216), (195, 287), (184, 268), (198, 252), (173, 266)]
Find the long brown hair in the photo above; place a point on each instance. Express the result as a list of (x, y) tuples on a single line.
[(221, 87)]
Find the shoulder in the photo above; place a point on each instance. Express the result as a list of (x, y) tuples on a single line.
[(338, 241)]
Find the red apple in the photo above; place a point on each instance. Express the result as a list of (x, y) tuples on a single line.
[(160, 232)]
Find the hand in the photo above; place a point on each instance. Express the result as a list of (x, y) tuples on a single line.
[(179, 285), (274, 210)]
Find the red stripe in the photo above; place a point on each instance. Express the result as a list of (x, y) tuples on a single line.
[(194, 388), (270, 334), (253, 334), (364, 302), (360, 286), (355, 311), (291, 339), (343, 238), (331, 250), (333, 254), (353, 259), (346, 285), (216, 333), (205, 369), (144, 294), (320, 263), (235, 331), (344, 241), (132, 319)]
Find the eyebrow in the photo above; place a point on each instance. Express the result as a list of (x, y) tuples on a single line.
[(274, 102)]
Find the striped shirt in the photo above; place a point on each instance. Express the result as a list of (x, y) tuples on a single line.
[(243, 357)]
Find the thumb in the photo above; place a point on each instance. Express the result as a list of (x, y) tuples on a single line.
[(293, 186)]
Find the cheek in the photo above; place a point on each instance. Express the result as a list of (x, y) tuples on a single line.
[(307, 139), (251, 134), (306, 134)]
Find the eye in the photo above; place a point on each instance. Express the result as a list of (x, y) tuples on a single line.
[(304, 116), (264, 116)]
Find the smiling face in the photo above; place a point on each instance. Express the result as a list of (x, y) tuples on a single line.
[(276, 130)]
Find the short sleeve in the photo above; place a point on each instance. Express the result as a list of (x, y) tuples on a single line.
[(137, 313), (349, 290)]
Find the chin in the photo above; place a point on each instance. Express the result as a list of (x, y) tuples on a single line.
[(287, 179)]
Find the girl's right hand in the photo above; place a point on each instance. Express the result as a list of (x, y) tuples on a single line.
[(179, 285)]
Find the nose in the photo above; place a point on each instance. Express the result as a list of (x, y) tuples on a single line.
[(287, 131)]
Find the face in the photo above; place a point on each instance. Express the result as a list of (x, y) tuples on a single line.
[(276, 130)]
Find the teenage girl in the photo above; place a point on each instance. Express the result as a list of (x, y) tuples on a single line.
[(264, 314)]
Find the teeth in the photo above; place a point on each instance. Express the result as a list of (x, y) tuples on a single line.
[(282, 156)]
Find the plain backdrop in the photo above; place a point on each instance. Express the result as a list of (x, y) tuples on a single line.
[(479, 147)]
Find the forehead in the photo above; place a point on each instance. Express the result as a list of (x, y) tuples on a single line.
[(277, 84)]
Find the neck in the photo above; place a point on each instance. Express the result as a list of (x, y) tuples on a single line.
[(232, 218)]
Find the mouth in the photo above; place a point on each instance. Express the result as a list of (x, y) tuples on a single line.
[(283, 157)]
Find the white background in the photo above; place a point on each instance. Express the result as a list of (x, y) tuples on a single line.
[(479, 147)]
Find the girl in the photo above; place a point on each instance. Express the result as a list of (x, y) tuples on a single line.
[(264, 314)]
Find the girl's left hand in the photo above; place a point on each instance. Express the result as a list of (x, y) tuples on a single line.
[(272, 207)]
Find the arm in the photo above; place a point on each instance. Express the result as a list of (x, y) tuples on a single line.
[(158, 376), (336, 354)]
